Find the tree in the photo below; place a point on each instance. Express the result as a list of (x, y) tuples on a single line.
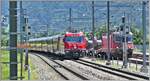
[(137, 35), (4, 40), (101, 30)]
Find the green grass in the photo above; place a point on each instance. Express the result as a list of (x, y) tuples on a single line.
[(5, 67)]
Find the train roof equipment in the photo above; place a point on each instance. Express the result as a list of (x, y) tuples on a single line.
[(45, 38), (74, 34)]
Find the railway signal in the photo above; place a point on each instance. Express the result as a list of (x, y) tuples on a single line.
[(26, 29), (124, 43)]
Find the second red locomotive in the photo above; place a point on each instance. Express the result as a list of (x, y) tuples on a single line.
[(116, 44)]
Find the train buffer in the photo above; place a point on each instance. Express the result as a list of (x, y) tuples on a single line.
[(58, 52)]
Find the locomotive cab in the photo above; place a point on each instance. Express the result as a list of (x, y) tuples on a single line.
[(118, 44), (74, 44), (130, 45)]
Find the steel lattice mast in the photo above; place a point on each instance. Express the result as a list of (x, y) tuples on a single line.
[(13, 39)]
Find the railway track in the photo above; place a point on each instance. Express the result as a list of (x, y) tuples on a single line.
[(107, 69), (118, 72), (65, 72), (75, 73)]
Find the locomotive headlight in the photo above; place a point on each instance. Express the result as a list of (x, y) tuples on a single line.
[(117, 47), (66, 51), (129, 46), (95, 52), (75, 47)]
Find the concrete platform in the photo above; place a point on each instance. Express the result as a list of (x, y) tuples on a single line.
[(138, 61), (139, 55)]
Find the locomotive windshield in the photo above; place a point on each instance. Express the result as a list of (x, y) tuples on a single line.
[(73, 39), (129, 38), (117, 38)]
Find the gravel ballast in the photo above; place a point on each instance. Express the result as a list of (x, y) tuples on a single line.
[(89, 71), (43, 71)]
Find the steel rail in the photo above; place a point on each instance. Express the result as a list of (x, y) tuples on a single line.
[(52, 67), (122, 73), (68, 69)]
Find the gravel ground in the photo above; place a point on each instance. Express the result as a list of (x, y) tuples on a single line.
[(132, 67), (44, 71), (63, 71), (96, 74)]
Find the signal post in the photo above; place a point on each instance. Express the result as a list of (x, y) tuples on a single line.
[(124, 44)]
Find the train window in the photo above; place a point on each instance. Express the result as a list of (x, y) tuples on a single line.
[(74, 39), (63, 39), (129, 38), (117, 38), (121, 28)]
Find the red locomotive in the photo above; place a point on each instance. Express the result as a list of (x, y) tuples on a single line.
[(74, 44), (116, 44)]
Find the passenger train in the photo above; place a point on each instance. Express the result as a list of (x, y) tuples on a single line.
[(76, 45)]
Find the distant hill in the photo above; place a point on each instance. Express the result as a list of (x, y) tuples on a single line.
[(56, 14)]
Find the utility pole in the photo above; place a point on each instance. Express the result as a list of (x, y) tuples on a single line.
[(13, 39), (47, 29), (52, 46), (0, 42), (124, 43), (108, 35), (149, 46), (70, 19), (21, 38), (58, 44), (93, 23), (144, 67), (93, 28)]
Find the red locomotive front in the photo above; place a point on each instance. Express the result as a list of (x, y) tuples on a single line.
[(74, 44), (116, 45)]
